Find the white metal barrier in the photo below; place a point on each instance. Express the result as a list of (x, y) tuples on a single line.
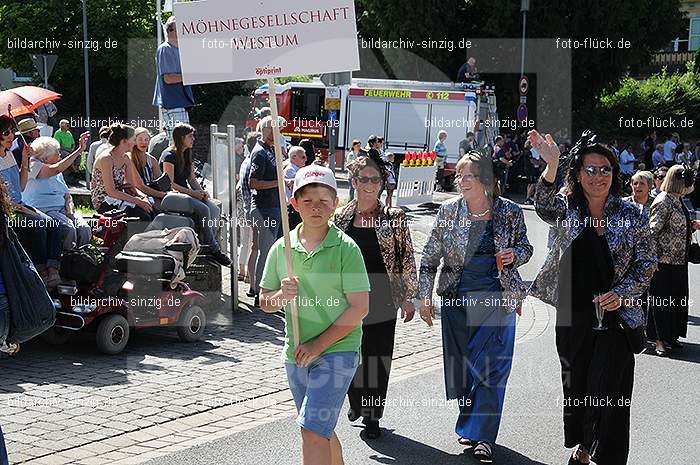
[(415, 185), (222, 149)]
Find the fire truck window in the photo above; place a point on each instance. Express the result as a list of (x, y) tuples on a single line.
[(307, 103)]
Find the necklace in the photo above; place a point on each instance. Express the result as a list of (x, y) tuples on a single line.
[(480, 215), (369, 212)]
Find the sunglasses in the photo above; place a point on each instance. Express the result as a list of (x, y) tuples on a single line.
[(366, 179), (170, 28), (6, 133), (605, 171), (660, 178)]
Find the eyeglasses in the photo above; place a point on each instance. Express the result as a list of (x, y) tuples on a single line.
[(605, 171), (366, 179), (6, 133)]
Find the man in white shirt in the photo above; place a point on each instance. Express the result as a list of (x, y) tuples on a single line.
[(670, 148), (297, 159)]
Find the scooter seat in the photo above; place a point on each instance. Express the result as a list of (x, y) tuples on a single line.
[(177, 203), (165, 221), (141, 263)]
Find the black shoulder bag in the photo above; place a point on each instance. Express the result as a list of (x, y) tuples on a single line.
[(636, 337)]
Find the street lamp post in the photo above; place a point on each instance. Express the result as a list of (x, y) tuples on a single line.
[(524, 7), (85, 65)]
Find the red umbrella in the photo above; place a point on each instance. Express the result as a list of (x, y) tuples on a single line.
[(25, 99)]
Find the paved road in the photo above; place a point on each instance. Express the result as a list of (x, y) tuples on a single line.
[(419, 429), (72, 405)]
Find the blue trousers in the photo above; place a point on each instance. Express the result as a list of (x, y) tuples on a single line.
[(478, 350)]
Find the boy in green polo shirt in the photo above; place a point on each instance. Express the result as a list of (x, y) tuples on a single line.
[(331, 286)]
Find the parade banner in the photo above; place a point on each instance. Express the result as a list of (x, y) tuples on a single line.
[(222, 41)]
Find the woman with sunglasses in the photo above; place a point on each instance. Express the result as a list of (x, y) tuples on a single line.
[(672, 230), (385, 241), (602, 258), (40, 235), (659, 176), (481, 240)]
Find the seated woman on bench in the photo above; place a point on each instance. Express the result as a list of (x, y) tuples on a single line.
[(176, 162), (48, 192), (147, 169), (40, 235), (113, 174)]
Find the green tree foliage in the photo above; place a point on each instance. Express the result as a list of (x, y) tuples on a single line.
[(61, 21), (662, 97)]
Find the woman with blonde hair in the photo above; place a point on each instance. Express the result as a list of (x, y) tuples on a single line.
[(672, 230), (481, 240), (146, 165), (642, 182)]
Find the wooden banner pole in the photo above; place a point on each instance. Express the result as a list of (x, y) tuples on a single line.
[(272, 92)]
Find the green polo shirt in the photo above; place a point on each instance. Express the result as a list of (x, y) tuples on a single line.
[(64, 138), (332, 270)]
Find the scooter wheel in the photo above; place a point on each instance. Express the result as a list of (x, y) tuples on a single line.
[(191, 325), (112, 334)]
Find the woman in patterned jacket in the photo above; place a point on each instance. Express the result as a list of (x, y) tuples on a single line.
[(603, 255), (481, 240), (671, 229), (385, 241)]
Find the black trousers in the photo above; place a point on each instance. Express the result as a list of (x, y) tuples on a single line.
[(367, 392), (597, 370)]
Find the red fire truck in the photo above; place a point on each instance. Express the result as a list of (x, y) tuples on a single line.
[(409, 114)]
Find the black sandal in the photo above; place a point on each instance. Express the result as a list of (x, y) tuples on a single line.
[(483, 452), (465, 442)]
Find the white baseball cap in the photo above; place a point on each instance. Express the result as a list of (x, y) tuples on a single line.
[(314, 174)]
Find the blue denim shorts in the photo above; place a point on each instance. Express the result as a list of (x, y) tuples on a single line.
[(320, 388)]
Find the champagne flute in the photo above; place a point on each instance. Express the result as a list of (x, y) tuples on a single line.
[(599, 314)]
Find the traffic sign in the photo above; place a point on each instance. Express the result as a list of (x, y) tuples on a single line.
[(332, 100), (523, 85), (44, 64), (522, 112)]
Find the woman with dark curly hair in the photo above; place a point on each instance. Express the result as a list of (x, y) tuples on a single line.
[(385, 241), (40, 235), (598, 267)]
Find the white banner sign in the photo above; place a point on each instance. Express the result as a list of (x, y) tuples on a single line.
[(222, 41)]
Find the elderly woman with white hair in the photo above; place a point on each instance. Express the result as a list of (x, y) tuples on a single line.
[(642, 182), (47, 191)]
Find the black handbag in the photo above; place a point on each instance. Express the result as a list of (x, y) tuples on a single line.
[(83, 264), (162, 183), (636, 337), (31, 309)]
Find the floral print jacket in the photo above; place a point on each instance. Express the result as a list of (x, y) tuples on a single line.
[(396, 246), (629, 239), (670, 229), (448, 244)]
